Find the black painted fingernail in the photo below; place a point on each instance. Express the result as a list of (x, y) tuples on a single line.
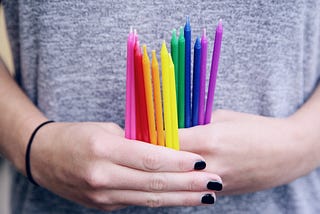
[(207, 199), (215, 185), (200, 165)]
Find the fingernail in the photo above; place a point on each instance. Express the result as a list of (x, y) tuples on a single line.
[(207, 199), (200, 165), (215, 185)]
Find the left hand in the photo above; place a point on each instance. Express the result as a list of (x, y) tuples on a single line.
[(249, 152)]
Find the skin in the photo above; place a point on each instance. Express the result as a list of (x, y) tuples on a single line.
[(253, 153), (92, 163), (78, 161)]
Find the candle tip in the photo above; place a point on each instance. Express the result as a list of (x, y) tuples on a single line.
[(188, 20), (164, 46), (181, 31), (131, 29), (174, 33), (198, 43), (144, 47), (153, 54), (204, 32), (219, 27), (135, 31)]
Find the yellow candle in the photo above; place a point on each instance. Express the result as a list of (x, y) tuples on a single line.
[(157, 98), (173, 103), (148, 90), (166, 95)]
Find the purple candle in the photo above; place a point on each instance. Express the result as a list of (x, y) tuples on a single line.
[(213, 72), (204, 50)]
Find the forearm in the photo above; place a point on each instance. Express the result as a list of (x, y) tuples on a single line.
[(307, 127), (19, 117)]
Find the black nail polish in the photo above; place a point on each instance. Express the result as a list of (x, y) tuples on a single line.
[(207, 199), (200, 165), (215, 185)]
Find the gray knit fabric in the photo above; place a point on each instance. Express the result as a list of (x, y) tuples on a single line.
[(70, 59)]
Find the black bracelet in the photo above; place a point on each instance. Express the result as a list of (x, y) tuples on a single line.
[(28, 167)]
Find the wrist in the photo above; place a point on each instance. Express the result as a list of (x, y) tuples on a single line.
[(23, 130), (303, 143)]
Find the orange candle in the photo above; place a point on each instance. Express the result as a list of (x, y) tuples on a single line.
[(157, 98), (148, 91)]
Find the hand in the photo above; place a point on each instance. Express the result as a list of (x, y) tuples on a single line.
[(94, 165), (249, 152)]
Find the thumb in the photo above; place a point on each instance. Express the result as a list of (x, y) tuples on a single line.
[(193, 139)]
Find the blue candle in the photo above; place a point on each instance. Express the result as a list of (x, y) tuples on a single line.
[(196, 82), (187, 36)]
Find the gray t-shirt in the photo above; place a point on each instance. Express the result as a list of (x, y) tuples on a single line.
[(70, 59)]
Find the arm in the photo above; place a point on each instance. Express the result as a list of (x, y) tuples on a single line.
[(253, 153), (93, 164), (16, 123)]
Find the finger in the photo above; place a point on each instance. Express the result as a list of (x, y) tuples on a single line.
[(221, 115), (194, 139), (157, 181), (149, 199), (147, 157)]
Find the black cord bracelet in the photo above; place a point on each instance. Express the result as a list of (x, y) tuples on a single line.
[(28, 166)]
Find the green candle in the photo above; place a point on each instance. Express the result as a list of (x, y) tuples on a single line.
[(181, 81), (175, 58)]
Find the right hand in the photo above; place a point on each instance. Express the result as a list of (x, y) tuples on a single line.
[(94, 165)]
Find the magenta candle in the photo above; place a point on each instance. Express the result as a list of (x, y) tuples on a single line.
[(204, 50), (213, 72)]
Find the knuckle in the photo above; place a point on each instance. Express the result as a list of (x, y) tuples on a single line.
[(93, 144), (112, 126), (158, 183), (99, 198), (154, 200), (151, 161), (183, 165), (94, 197), (96, 148), (93, 178), (194, 185)]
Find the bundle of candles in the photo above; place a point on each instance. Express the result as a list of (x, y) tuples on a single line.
[(144, 118)]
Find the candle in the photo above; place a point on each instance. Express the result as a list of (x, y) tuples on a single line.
[(196, 81), (141, 106), (157, 98), (181, 83), (166, 95), (137, 68), (129, 87), (173, 104), (187, 36), (204, 49), (148, 92), (175, 58), (213, 72)]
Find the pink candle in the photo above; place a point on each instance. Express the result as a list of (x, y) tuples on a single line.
[(130, 103)]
